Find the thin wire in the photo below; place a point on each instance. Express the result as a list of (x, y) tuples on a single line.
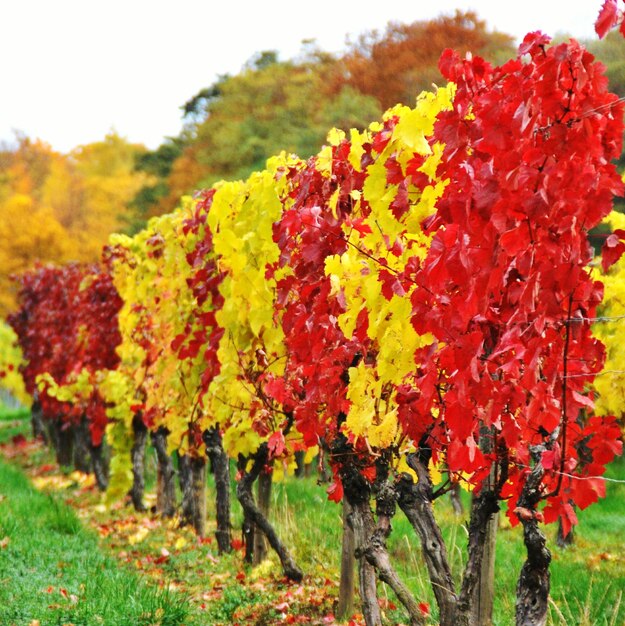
[(619, 481), (602, 373), (610, 480), (596, 319), (607, 105)]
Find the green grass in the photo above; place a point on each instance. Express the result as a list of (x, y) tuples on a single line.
[(13, 422), (588, 578), (52, 570), (10, 413)]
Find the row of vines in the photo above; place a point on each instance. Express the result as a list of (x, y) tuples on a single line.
[(413, 305)]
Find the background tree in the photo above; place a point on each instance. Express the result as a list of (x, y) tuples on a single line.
[(56, 208), (394, 66)]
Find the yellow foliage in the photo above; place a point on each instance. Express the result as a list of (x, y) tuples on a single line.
[(11, 359), (389, 245), (56, 208), (610, 384)]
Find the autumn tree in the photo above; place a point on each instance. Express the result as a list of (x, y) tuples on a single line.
[(57, 208), (235, 125), (394, 66)]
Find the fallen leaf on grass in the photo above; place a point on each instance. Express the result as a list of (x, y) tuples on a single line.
[(52, 482), (4, 542), (139, 536)]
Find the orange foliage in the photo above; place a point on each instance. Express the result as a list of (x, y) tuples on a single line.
[(396, 65), (184, 178), (56, 208)]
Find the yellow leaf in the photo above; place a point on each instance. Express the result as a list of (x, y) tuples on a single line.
[(383, 434), (139, 536), (180, 543)]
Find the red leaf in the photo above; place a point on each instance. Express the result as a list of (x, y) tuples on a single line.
[(276, 444), (568, 517), (548, 459), (613, 249), (335, 491), (608, 17), (369, 473), (424, 607), (237, 544)]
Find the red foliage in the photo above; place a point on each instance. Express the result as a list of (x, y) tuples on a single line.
[(609, 17), (504, 287), (67, 321)]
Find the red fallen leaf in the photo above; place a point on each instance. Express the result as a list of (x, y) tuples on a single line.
[(50, 589), (237, 544), (161, 559), (48, 467), (64, 593), (424, 607), (19, 441), (205, 540), (240, 576)]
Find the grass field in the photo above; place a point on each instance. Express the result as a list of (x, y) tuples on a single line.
[(140, 568)]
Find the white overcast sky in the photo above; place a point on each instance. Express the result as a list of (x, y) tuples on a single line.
[(72, 70)]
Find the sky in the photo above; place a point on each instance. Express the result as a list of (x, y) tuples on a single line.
[(74, 70)]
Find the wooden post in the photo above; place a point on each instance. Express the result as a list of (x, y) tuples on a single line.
[(485, 588), (345, 605), (483, 599)]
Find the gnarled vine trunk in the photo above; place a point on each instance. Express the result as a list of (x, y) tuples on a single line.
[(193, 485), (532, 595), (38, 426), (220, 465), (82, 446), (165, 475), (137, 455), (415, 500), (264, 505), (62, 436), (100, 466), (370, 539), (252, 513)]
